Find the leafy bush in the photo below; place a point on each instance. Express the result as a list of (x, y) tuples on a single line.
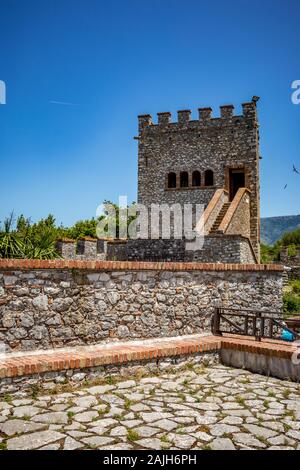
[(291, 250), (291, 303), (82, 228), (269, 254), (35, 241), (291, 238), (24, 239), (295, 284)]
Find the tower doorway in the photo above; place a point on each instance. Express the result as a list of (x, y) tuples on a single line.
[(236, 181)]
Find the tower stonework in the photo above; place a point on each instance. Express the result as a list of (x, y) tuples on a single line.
[(188, 161)]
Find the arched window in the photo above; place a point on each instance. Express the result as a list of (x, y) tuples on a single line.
[(184, 179), (196, 178), (209, 178), (172, 180)]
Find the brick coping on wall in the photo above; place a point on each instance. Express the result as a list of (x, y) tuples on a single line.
[(20, 364), (24, 264)]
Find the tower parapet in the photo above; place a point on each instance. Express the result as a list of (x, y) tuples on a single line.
[(227, 111), (184, 116), (205, 114), (164, 119), (145, 120)]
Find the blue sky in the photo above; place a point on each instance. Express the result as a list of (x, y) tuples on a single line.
[(114, 60)]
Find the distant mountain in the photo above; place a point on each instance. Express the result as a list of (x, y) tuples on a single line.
[(272, 228)]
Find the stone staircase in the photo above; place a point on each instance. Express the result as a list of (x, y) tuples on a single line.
[(220, 217)]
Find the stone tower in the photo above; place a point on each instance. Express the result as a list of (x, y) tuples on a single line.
[(189, 160)]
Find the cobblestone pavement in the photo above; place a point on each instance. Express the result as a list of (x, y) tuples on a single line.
[(201, 408)]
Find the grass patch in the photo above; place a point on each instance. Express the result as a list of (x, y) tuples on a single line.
[(132, 435), (289, 414), (3, 445), (35, 389), (70, 415), (7, 399), (127, 404), (92, 446), (206, 447), (182, 396), (245, 381), (286, 393), (240, 400), (227, 434), (110, 380), (106, 410), (286, 427), (262, 439)]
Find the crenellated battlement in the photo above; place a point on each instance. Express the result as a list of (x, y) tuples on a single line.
[(85, 248), (205, 116)]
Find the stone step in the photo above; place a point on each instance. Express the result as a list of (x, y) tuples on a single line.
[(220, 217), (33, 362), (22, 371)]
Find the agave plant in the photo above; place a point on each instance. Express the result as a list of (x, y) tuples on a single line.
[(41, 247), (11, 245), (26, 243)]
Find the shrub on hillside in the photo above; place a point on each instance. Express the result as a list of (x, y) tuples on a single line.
[(291, 238), (291, 303), (295, 284)]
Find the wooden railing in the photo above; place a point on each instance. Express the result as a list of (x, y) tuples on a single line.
[(257, 323)]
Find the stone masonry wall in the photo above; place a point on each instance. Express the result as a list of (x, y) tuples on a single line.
[(82, 249), (217, 144), (216, 249), (292, 261), (46, 304)]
